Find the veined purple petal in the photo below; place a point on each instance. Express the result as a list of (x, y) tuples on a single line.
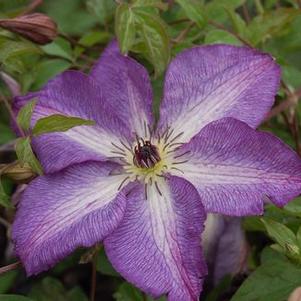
[(235, 168), (60, 212), (207, 83), (126, 85), (157, 246), (75, 94)]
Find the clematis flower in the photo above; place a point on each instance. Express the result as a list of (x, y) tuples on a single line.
[(143, 189)]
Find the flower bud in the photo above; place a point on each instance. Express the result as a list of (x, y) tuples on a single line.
[(36, 27), (18, 173)]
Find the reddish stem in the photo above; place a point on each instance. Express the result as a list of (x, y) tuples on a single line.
[(10, 267)]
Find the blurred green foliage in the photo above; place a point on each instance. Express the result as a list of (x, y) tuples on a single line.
[(153, 32)]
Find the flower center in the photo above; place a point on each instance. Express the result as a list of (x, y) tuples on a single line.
[(146, 155)]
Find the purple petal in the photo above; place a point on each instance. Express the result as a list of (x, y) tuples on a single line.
[(60, 212), (157, 245), (75, 94), (207, 83), (232, 245), (235, 168), (126, 85), (224, 246)]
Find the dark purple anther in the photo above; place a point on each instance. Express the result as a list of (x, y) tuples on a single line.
[(146, 155)]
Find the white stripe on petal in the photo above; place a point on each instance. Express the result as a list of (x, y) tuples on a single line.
[(206, 108), (163, 223), (59, 212)]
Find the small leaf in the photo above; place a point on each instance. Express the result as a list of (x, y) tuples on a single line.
[(25, 154), (103, 9), (103, 264), (294, 207), (127, 292), (238, 23), (155, 39), (274, 280), (58, 123), (125, 27), (4, 198), (47, 69), (76, 294), (270, 24), (150, 3), (6, 134), (298, 235), (24, 116), (217, 36), (7, 281), (60, 48), (48, 289), (194, 10), (281, 234)]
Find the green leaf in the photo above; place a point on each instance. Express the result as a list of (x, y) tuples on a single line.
[(7, 281), (4, 198), (10, 48), (238, 23), (155, 39), (48, 69), (90, 39), (59, 48), (24, 115), (14, 298), (50, 289), (25, 154), (93, 37), (274, 280), (294, 206), (15, 56), (127, 292), (104, 266), (194, 10), (217, 9), (77, 294), (291, 75), (125, 26), (281, 234), (71, 16), (102, 9), (150, 3), (253, 223), (6, 134), (298, 236), (270, 24), (58, 123), (217, 36)]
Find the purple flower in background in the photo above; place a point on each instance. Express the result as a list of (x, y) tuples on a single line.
[(141, 189)]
